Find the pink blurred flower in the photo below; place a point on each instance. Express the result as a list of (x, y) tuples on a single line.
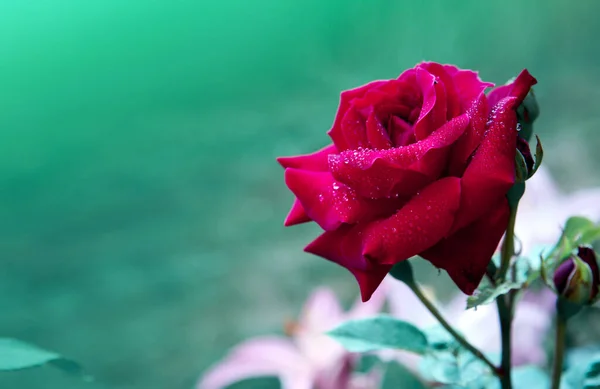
[(308, 359)]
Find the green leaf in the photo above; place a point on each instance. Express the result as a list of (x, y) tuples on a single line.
[(520, 167), (458, 367), (379, 333), (539, 156), (530, 377), (17, 355), (439, 338), (487, 293), (583, 369), (397, 376), (592, 375)]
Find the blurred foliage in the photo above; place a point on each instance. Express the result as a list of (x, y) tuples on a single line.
[(140, 205)]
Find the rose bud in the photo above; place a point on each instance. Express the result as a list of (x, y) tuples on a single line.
[(577, 279), (417, 165)]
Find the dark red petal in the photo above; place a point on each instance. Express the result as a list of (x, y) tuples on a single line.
[(433, 110), (346, 97), (468, 84), (316, 161), (296, 215), (518, 88), (491, 172), (453, 100), (376, 134), (354, 129), (468, 142), (562, 274), (344, 246), (401, 133), (400, 170), (466, 254), (369, 280), (330, 203), (417, 226)]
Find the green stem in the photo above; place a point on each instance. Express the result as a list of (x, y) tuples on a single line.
[(559, 348), (505, 315), (434, 311), (505, 303), (508, 246)]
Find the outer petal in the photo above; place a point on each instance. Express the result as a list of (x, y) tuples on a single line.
[(369, 280), (468, 84), (346, 97), (518, 88), (344, 247), (466, 254), (330, 203), (296, 215), (264, 356), (316, 161), (417, 226), (491, 172), (468, 142), (400, 170), (369, 250)]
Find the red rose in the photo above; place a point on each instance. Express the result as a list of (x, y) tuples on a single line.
[(419, 165)]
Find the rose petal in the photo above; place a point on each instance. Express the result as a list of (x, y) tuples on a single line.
[(468, 84), (452, 97), (344, 247), (433, 110), (471, 138), (296, 215), (316, 161), (466, 254), (491, 172), (417, 226), (400, 170), (369, 280), (330, 203), (401, 132), (354, 129), (336, 133), (518, 88), (377, 136)]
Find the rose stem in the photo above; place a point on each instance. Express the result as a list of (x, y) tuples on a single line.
[(434, 311), (508, 246), (505, 303), (559, 348), (504, 313)]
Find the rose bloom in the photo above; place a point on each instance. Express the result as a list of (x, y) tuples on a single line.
[(419, 165)]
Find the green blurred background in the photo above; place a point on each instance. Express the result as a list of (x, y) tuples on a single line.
[(140, 204)]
